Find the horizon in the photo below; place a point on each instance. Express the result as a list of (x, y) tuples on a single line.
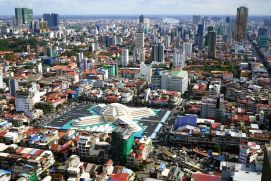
[(146, 15), (135, 7)]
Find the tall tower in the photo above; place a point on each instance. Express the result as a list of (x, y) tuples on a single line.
[(141, 19), (23, 16), (158, 52), (196, 19), (53, 20), (125, 57), (179, 58), (241, 23), (212, 44), (167, 41), (13, 86), (140, 40)]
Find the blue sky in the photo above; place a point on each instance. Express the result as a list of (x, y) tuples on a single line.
[(98, 7)]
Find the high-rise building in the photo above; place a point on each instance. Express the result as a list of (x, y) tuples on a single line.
[(199, 36), (141, 55), (79, 59), (228, 19), (23, 16), (200, 30), (53, 20), (179, 58), (267, 22), (122, 144), (112, 70), (125, 57), (25, 103), (188, 49), (1, 82), (196, 19), (170, 80), (205, 21), (13, 86), (167, 41), (158, 52), (40, 26), (135, 55), (141, 19), (241, 23), (145, 72), (263, 38), (209, 29), (212, 44), (139, 40), (266, 173)]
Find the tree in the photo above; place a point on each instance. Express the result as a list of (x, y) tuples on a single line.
[(46, 107)]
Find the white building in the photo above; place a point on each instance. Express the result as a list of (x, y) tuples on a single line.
[(79, 59), (84, 147), (1, 82), (39, 67), (125, 57), (24, 103), (141, 55), (135, 55), (171, 81), (188, 49), (90, 147), (167, 41), (179, 58), (145, 72)]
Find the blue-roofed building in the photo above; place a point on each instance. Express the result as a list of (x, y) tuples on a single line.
[(190, 120), (5, 174), (48, 61), (162, 166)]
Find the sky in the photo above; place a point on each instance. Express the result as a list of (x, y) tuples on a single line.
[(135, 7)]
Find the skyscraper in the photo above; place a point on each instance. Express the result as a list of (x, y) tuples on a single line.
[(228, 19), (167, 41), (53, 20), (241, 23), (140, 40), (196, 19), (1, 81), (179, 58), (125, 57), (158, 52), (141, 55), (199, 36), (209, 29), (212, 44), (23, 16), (263, 38), (188, 49), (141, 19), (13, 86), (79, 59), (40, 26)]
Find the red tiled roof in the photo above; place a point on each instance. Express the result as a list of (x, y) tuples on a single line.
[(205, 177), (120, 177), (26, 156)]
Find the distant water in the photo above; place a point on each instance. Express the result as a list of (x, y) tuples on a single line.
[(171, 20)]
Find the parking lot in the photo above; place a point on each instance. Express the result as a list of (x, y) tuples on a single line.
[(80, 110)]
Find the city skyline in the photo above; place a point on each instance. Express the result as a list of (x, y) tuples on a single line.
[(151, 7)]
